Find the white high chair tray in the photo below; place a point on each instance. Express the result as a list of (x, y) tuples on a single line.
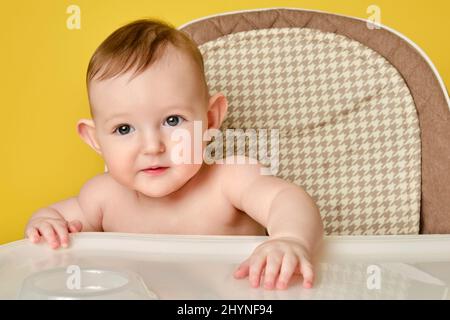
[(201, 267)]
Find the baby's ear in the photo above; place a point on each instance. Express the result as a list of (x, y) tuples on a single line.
[(217, 109), (86, 130)]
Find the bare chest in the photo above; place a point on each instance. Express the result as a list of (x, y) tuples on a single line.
[(202, 213)]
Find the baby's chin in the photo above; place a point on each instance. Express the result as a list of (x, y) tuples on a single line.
[(162, 187), (157, 191)]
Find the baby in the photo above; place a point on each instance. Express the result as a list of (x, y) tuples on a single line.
[(145, 81)]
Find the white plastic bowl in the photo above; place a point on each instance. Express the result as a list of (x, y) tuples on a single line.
[(84, 283)]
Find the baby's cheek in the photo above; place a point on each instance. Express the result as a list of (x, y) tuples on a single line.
[(119, 165), (182, 173)]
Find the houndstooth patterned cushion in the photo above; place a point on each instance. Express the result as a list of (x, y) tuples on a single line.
[(348, 128)]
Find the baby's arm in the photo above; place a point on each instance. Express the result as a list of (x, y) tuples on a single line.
[(82, 213), (292, 220)]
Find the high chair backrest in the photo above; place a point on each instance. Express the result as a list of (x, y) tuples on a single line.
[(361, 114)]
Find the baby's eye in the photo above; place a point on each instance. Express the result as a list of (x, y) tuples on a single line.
[(173, 121), (123, 129)]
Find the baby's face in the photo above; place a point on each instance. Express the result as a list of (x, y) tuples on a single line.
[(134, 121)]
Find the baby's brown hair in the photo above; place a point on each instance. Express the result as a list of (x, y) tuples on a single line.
[(137, 45)]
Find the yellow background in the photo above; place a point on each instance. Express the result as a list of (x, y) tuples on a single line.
[(43, 66)]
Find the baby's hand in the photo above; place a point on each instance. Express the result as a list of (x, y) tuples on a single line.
[(281, 257), (50, 225)]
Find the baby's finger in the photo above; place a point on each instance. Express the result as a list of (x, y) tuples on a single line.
[(75, 226), (33, 235), (288, 267), (273, 266), (243, 270), (257, 263), (49, 234), (307, 273), (63, 235)]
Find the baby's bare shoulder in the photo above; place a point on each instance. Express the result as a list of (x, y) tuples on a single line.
[(94, 196), (241, 167), (237, 171), (98, 184), (239, 174), (103, 187)]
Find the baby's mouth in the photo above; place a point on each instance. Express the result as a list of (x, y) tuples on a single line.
[(155, 170)]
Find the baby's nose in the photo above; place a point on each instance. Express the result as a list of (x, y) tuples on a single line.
[(153, 144)]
